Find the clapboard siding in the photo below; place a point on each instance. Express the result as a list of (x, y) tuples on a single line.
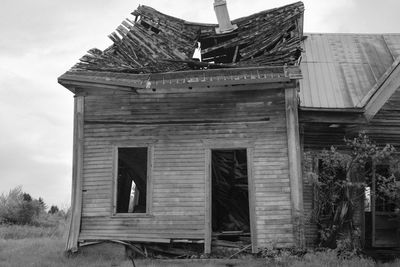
[(178, 126), (385, 126)]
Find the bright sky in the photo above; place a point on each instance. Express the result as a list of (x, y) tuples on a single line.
[(42, 39)]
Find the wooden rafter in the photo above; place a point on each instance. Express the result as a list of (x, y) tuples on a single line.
[(155, 42)]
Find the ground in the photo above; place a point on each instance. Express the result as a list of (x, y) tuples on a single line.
[(30, 246), (43, 252)]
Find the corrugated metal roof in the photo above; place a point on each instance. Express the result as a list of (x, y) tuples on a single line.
[(340, 69)]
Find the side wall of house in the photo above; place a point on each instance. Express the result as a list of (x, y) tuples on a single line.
[(383, 129), (178, 125)]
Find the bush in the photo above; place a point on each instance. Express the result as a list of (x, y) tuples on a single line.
[(53, 209), (18, 207), (340, 183)]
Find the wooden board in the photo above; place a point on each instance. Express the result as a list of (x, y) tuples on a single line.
[(179, 191), (296, 186), (77, 176)]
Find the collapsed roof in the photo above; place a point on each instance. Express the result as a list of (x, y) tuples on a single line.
[(154, 42)]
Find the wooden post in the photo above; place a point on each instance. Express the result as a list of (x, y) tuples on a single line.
[(296, 183), (77, 170), (208, 202), (252, 200)]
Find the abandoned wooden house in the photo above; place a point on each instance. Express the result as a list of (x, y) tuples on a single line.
[(169, 148)]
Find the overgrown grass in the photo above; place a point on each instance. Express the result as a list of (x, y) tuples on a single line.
[(28, 231), (44, 246), (329, 258), (391, 264), (38, 252), (45, 225), (47, 252)]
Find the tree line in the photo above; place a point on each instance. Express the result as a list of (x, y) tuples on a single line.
[(19, 207)]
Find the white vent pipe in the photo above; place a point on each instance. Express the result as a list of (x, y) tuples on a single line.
[(224, 21)]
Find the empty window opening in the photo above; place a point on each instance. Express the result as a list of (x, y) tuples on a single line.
[(230, 195), (132, 180)]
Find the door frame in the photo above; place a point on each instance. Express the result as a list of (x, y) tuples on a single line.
[(231, 145)]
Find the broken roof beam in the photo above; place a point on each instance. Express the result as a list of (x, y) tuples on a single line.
[(383, 90), (259, 35), (156, 42)]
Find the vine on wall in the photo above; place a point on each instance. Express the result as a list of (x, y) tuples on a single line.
[(339, 185)]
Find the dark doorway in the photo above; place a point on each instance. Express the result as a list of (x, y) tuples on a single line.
[(230, 195)]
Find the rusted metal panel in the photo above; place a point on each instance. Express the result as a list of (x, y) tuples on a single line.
[(340, 69)]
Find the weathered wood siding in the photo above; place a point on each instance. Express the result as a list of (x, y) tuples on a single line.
[(384, 128), (179, 124)]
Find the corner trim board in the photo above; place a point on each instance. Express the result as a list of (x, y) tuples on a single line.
[(294, 157), (77, 175)]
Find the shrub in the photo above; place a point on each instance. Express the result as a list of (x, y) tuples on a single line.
[(10, 205), (53, 209), (18, 207), (340, 184)]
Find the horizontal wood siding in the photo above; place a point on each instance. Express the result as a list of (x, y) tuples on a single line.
[(178, 126), (385, 126), (272, 189)]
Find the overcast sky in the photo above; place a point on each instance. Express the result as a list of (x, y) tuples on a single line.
[(42, 39)]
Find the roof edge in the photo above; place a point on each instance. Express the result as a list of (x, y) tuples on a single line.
[(184, 79), (353, 33), (338, 110), (382, 91), (379, 83)]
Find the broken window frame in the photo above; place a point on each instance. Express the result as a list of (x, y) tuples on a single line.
[(149, 186)]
